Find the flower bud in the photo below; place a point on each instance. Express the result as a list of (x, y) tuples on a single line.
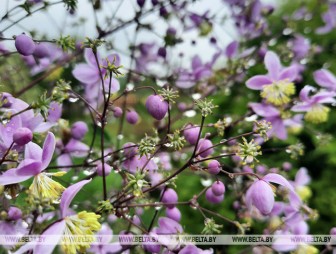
[(214, 167), (132, 117), (14, 213), (205, 148), (22, 136), (24, 45), (100, 169), (173, 213), (218, 188), (212, 198), (169, 196), (117, 112), (157, 106), (333, 231), (78, 130), (191, 134), (41, 50)]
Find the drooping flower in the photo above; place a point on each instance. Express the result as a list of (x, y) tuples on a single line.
[(316, 112), (277, 86), (65, 229), (36, 160), (261, 192)]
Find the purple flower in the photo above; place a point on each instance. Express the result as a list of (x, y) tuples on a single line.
[(36, 160), (88, 74), (277, 86), (261, 194), (83, 223), (273, 115), (316, 112)]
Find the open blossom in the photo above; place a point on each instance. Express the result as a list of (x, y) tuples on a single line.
[(88, 73), (316, 112), (279, 123), (82, 223), (36, 160), (261, 192), (277, 86)]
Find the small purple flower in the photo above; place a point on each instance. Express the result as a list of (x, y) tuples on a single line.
[(261, 194), (316, 112), (277, 86), (36, 160)]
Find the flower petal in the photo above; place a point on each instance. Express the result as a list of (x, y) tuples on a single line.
[(289, 73), (29, 167), (86, 74), (302, 178), (273, 65), (279, 179), (33, 151), (48, 149), (262, 196), (69, 194), (232, 49), (325, 78), (257, 82), (52, 236), (90, 57), (264, 110), (11, 177)]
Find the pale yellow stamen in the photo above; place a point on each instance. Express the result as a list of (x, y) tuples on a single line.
[(278, 93), (79, 231), (43, 187), (317, 114)]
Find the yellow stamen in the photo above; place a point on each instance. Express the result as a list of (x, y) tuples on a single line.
[(43, 187), (317, 114), (278, 93), (79, 231)]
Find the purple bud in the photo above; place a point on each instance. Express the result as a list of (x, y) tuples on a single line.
[(117, 112), (24, 45), (41, 50), (214, 167), (130, 150), (141, 3), (182, 106), (152, 248), (212, 198), (333, 231), (191, 134), (22, 136), (163, 12), (171, 31), (162, 52), (173, 213), (218, 188), (132, 117), (287, 166), (106, 167), (136, 220), (155, 2), (261, 195), (78, 130), (156, 106), (14, 213), (169, 196), (205, 148)]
